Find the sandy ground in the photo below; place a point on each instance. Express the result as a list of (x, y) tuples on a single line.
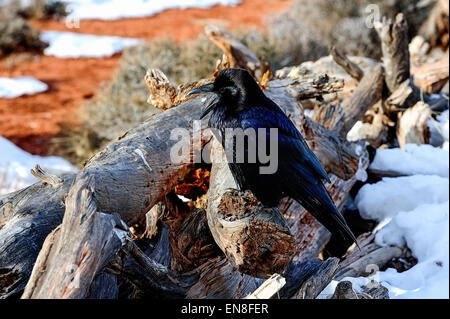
[(31, 121)]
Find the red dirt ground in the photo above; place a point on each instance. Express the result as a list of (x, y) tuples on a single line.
[(31, 121)]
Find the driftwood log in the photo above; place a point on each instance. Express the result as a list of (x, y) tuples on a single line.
[(394, 45), (74, 253), (139, 163), (255, 239), (341, 117), (396, 60), (311, 288), (351, 68), (237, 54), (412, 125), (435, 29), (123, 164), (431, 77)]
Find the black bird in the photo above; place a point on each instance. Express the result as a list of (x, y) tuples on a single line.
[(238, 102)]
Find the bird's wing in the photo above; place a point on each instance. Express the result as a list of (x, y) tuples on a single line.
[(299, 171), (290, 142)]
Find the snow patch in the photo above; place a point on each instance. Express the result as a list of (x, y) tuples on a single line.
[(415, 159), (14, 87), (393, 195), (118, 9), (308, 112), (15, 165), (76, 45), (354, 133), (412, 211), (425, 230)]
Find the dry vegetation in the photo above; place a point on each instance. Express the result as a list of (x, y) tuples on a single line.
[(16, 34), (37, 9), (304, 32)]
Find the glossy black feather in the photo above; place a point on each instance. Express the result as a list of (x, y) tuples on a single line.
[(300, 175)]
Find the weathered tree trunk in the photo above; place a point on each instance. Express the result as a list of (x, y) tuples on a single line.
[(314, 285), (78, 249), (27, 217), (435, 29), (394, 45), (351, 68), (342, 117), (238, 55), (431, 77), (367, 260), (131, 174), (396, 60), (255, 239), (83, 251), (412, 125)]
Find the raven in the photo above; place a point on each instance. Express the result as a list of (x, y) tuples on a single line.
[(237, 101)]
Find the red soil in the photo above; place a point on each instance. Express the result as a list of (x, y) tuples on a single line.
[(31, 121)]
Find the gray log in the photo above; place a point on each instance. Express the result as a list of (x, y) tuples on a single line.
[(132, 175)]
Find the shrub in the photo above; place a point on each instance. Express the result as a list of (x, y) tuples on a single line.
[(16, 35), (122, 103), (37, 9)]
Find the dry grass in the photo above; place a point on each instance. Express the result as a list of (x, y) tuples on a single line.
[(307, 30), (16, 34), (122, 103), (37, 9)]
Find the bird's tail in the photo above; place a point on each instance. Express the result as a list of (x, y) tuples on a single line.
[(324, 210)]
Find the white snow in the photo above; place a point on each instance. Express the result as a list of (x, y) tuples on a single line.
[(308, 112), (15, 165), (393, 195), (354, 133), (118, 9), (77, 45), (416, 159), (412, 211), (14, 87), (425, 230)]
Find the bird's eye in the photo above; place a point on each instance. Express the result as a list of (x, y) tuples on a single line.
[(229, 91)]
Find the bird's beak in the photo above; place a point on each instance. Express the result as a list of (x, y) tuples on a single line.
[(213, 100), (207, 88)]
